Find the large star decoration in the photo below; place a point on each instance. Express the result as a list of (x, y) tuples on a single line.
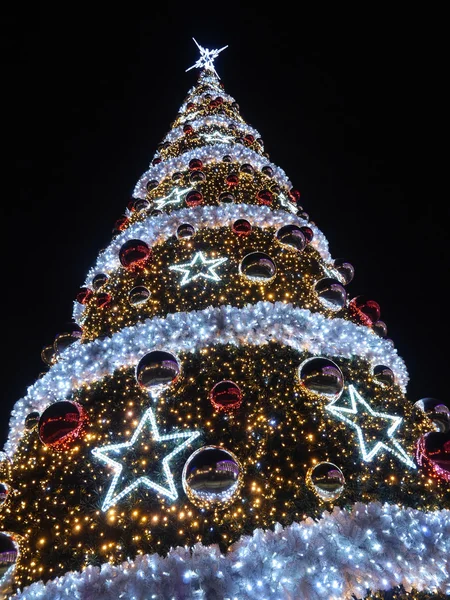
[(118, 452), (175, 197), (196, 268), (207, 58), (394, 422), (284, 201)]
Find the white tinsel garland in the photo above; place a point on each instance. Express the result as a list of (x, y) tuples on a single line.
[(209, 120), (346, 552), (155, 230), (209, 154), (81, 364)]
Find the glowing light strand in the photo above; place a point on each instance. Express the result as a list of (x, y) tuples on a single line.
[(393, 446), (104, 452), (81, 364), (368, 546), (208, 121)]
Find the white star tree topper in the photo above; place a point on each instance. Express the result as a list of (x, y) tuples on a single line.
[(199, 261), (392, 446), (119, 451), (207, 58), (177, 196)]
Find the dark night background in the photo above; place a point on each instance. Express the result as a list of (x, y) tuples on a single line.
[(349, 105)]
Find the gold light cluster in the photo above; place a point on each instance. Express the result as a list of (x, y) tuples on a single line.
[(278, 433)]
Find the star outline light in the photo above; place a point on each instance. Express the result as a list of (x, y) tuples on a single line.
[(177, 192), (101, 453), (355, 397), (211, 274), (216, 136), (207, 58)]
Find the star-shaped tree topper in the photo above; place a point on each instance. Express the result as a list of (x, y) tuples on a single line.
[(196, 268), (207, 58), (386, 426), (142, 443)]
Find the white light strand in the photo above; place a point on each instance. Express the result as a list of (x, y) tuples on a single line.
[(157, 229), (392, 446), (211, 121), (103, 454), (195, 269), (194, 96), (209, 154), (82, 364), (341, 555)]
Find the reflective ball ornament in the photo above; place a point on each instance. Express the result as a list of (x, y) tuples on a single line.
[(225, 395), (133, 252), (242, 227), (84, 295), (99, 280), (327, 481), (138, 295), (194, 198), (60, 423), (331, 293), (380, 328), (321, 376), (307, 232), (291, 235), (384, 375), (103, 299), (32, 420), (366, 311), (141, 204), (185, 230), (8, 554), (265, 197), (156, 369), (433, 455), (211, 475), (226, 198), (345, 270), (436, 411), (258, 266), (4, 491)]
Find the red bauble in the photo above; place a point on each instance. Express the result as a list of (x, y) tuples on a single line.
[(121, 224), (225, 395), (308, 233), (84, 294), (367, 311), (133, 252), (190, 106), (242, 227), (156, 161), (195, 164), (249, 138), (102, 299), (194, 198), (188, 129), (433, 454), (265, 197), (232, 179), (295, 195), (60, 423)]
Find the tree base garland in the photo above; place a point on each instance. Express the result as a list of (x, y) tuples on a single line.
[(388, 552)]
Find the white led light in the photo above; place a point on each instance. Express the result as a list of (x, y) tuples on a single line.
[(104, 453), (358, 405), (207, 58), (191, 270), (176, 196)]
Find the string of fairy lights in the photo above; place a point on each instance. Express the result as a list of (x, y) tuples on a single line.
[(223, 389)]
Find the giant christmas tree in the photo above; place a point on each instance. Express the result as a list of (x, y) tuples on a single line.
[(221, 420)]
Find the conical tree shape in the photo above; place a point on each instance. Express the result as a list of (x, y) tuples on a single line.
[(222, 420)]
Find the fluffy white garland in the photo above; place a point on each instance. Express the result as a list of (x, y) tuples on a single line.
[(81, 364), (371, 546), (154, 230), (208, 120), (209, 154)]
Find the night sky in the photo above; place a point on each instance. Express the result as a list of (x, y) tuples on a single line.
[(350, 106)]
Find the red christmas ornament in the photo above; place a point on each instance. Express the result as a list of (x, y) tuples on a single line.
[(367, 311), (61, 423), (295, 195), (188, 129), (195, 163), (190, 106), (232, 179), (219, 100), (133, 252), (242, 227), (265, 197), (249, 138), (121, 224), (225, 396), (433, 454), (194, 198), (84, 294), (156, 160), (308, 233), (151, 184)]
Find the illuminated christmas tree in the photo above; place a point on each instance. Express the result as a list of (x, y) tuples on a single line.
[(221, 420)]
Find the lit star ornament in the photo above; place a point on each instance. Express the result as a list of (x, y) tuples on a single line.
[(217, 137), (199, 267), (358, 406), (119, 451), (175, 197), (207, 58)]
